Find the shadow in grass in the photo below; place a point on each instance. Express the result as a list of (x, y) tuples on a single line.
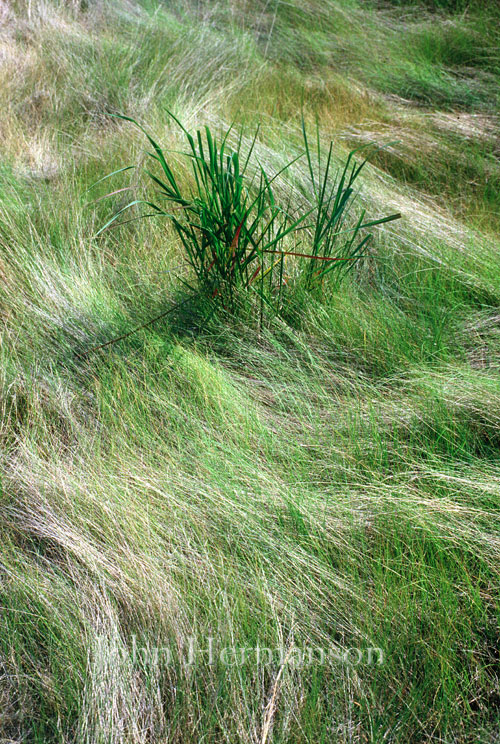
[(85, 341)]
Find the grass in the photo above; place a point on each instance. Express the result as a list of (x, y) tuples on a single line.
[(329, 480), (233, 231)]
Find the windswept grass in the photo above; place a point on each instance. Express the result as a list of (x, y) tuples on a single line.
[(329, 479)]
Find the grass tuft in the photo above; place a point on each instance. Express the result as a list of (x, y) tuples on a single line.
[(234, 234)]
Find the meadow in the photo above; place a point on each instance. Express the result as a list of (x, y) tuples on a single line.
[(294, 465)]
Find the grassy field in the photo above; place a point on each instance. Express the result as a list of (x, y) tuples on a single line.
[(327, 478)]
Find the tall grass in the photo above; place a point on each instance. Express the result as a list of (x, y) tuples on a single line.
[(329, 482)]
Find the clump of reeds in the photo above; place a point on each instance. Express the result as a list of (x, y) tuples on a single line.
[(234, 232)]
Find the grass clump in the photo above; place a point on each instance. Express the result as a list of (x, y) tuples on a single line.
[(235, 234)]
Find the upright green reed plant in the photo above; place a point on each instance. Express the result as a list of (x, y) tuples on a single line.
[(236, 236)]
